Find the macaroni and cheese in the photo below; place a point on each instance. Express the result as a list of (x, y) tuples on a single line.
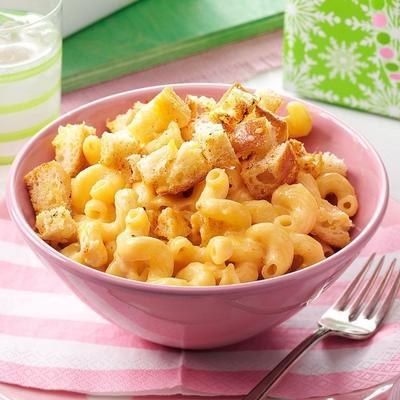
[(194, 192)]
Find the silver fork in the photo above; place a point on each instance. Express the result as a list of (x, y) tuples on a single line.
[(357, 315)]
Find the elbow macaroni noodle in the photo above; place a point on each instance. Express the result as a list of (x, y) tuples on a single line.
[(215, 232)]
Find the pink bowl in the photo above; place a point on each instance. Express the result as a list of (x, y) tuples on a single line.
[(203, 317)]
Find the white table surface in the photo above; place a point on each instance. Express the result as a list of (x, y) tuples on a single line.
[(383, 133)]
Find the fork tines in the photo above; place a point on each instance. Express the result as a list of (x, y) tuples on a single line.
[(370, 298)]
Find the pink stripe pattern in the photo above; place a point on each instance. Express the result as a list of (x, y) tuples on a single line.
[(54, 342)]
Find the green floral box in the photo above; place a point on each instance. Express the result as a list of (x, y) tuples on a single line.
[(345, 52)]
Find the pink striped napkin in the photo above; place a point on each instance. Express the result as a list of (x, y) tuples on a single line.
[(50, 340)]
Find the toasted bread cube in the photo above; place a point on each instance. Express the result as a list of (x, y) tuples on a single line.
[(311, 163), (116, 147), (199, 105), (189, 168), (332, 225), (263, 176), (154, 168), (171, 133), (253, 137), (49, 186), (318, 163), (56, 225), (68, 147), (278, 123), (121, 121), (154, 117), (172, 223), (233, 106), (269, 100), (215, 144)]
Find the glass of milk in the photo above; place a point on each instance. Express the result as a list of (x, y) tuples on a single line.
[(30, 72)]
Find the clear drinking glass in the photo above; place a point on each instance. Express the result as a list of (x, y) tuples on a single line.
[(30, 71)]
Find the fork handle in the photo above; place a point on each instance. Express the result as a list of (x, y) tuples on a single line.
[(261, 390)]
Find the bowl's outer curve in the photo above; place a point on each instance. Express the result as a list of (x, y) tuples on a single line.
[(203, 317)]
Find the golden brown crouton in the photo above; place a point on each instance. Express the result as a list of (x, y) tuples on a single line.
[(68, 147), (199, 105), (278, 123), (253, 137), (269, 100), (332, 225), (49, 186), (171, 133), (263, 176), (215, 144), (311, 163), (155, 116), (233, 106), (172, 223), (317, 163), (189, 168), (116, 147), (154, 168), (121, 121), (56, 225), (172, 171)]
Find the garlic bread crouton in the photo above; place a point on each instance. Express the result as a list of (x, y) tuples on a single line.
[(310, 163), (154, 168), (68, 147), (171, 133), (172, 223), (215, 144), (49, 186), (252, 137), (233, 106), (332, 225), (56, 225), (189, 168), (278, 123), (171, 170), (317, 163), (116, 147), (121, 121), (269, 100), (155, 116), (263, 176), (199, 105)]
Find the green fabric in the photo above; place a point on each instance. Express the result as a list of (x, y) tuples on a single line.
[(345, 52), (152, 32)]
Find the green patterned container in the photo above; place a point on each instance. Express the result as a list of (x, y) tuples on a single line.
[(345, 52)]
